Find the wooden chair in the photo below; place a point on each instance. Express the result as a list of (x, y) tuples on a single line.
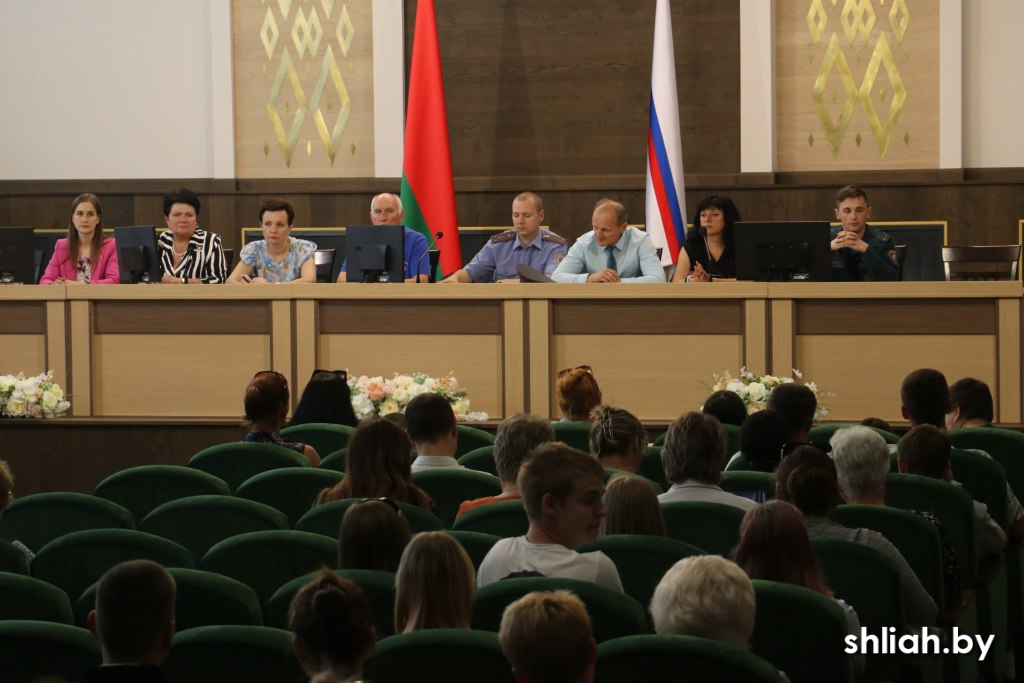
[(995, 262)]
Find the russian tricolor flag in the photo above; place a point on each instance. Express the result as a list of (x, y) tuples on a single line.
[(666, 203)]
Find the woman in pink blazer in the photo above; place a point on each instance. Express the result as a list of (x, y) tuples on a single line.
[(85, 256)]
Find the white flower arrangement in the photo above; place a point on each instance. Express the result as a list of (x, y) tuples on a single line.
[(381, 396), (36, 397), (754, 389)]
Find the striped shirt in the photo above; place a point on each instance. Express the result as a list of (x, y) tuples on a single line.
[(203, 260)]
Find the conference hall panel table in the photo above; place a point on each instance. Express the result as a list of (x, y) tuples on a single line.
[(175, 352)]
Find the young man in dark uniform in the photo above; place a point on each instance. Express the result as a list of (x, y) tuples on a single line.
[(859, 252)]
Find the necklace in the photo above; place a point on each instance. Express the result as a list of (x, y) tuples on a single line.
[(175, 251)]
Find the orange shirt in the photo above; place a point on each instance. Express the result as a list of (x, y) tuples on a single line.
[(468, 505)]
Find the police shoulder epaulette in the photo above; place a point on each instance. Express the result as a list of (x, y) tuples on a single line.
[(884, 237), (552, 237), (506, 236)]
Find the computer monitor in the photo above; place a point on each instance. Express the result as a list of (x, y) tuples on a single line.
[(783, 251), (17, 256), (137, 254), (375, 253)]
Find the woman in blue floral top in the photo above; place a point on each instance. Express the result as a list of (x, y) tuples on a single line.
[(278, 257)]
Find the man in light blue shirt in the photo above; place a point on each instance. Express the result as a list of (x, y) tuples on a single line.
[(614, 252), (527, 243)]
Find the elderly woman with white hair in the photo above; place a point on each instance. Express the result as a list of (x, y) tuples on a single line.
[(861, 457)]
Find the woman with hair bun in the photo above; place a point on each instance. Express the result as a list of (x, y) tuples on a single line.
[(617, 439), (332, 629), (578, 393), (266, 407)]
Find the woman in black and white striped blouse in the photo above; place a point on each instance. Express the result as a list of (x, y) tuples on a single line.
[(189, 255)]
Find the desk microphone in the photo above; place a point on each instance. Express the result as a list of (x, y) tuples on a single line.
[(704, 233)]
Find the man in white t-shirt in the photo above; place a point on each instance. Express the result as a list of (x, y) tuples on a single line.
[(563, 493)]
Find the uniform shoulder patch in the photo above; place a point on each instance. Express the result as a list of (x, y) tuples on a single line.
[(506, 236), (884, 236), (552, 237)]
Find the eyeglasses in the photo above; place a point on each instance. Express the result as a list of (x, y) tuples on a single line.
[(384, 499), (793, 445), (343, 374), (566, 371)]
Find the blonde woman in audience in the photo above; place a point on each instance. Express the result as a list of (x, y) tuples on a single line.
[(378, 464), (617, 439), (774, 546), (266, 407), (706, 596), (332, 629), (547, 637), (85, 256), (435, 584), (631, 506), (373, 535), (578, 393)]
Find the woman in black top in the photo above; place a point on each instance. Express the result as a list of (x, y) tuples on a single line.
[(708, 253)]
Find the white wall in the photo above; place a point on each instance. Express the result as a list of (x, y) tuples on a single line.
[(992, 84), (110, 89)]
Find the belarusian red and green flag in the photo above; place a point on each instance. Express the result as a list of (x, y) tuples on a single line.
[(428, 193)]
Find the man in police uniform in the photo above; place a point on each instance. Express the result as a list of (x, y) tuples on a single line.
[(859, 252), (526, 243)]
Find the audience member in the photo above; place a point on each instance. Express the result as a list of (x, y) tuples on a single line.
[(517, 436), (562, 490), (925, 451), (762, 438), (266, 407), (632, 508), (547, 638), (85, 256), (877, 423), (373, 535), (797, 404), (431, 424), (861, 457), (6, 498), (926, 401), (614, 251), (333, 629), (133, 619), (693, 457), (526, 243), (970, 405), (774, 546), (860, 252), (378, 465), (807, 479), (705, 596), (708, 253), (578, 393), (189, 254), (278, 257), (617, 439), (435, 584), (727, 406), (327, 399)]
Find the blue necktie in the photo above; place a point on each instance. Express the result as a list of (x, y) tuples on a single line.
[(610, 250)]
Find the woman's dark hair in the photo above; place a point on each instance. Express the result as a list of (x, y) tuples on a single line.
[(182, 196), (762, 437), (727, 406), (97, 236), (277, 205), (373, 535), (326, 399), (807, 479), (378, 463), (332, 618), (774, 546), (729, 212), (266, 397)]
